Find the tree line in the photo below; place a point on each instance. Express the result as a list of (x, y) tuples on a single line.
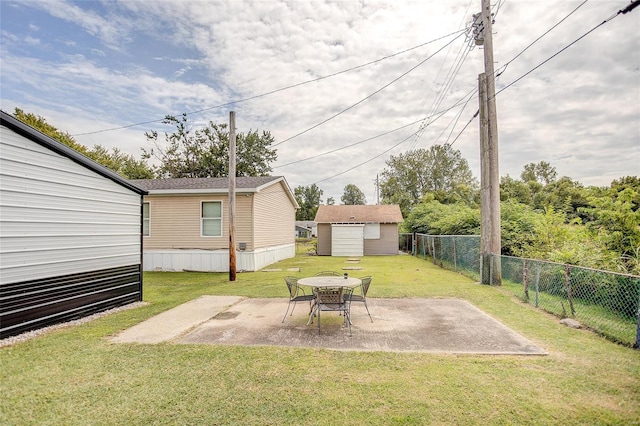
[(543, 216)]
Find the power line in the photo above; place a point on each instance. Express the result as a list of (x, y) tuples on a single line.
[(465, 127), (442, 93), (365, 162), (276, 90), (350, 145), (366, 97), (438, 114), (504, 67), (628, 9), (450, 77), (456, 123), (441, 113), (623, 11), (609, 19)]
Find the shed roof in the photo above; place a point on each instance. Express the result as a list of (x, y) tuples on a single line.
[(386, 213), (40, 138)]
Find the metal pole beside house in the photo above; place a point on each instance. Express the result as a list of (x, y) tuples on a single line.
[(232, 196)]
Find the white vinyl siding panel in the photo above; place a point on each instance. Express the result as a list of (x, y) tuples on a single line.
[(274, 217), (58, 217)]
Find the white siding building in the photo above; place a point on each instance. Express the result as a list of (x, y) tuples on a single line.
[(70, 232), (187, 223)]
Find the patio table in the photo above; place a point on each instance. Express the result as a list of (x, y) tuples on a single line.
[(321, 282), (316, 282)]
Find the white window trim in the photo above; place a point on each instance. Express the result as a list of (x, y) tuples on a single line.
[(221, 219), (148, 219)]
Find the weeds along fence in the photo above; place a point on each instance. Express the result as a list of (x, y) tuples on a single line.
[(460, 253), (606, 302)]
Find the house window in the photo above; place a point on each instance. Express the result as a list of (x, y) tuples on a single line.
[(146, 221), (211, 219)]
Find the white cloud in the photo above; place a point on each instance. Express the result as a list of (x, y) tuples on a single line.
[(110, 29), (578, 109)]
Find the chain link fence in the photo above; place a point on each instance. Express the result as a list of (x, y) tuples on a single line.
[(606, 302), (460, 253)]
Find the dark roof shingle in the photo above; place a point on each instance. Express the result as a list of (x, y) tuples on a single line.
[(202, 183)]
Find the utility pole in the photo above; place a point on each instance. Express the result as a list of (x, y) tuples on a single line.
[(490, 177), (232, 196), (485, 184)]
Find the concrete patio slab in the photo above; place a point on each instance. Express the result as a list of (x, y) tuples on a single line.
[(399, 325), (177, 321)]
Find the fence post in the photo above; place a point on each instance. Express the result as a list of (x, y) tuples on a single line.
[(455, 255), (433, 249), (538, 281), (637, 344), (414, 241), (525, 278), (567, 283)]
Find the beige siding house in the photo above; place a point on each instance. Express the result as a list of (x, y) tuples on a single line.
[(358, 230), (187, 223)]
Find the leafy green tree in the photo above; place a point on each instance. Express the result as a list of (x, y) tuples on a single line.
[(353, 195), (439, 170), (540, 189), (616, 219), (309, 199), (517, 228), (631, 182), (205, 152), (40, 123), (567, 196), (435, 218), (123, 164), (542, 172), (515, 190), (331, 201), (537, 176)]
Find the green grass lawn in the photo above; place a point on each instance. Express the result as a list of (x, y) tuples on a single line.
[(76, 376)]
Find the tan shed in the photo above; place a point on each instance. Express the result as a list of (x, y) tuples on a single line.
[(357, 230)]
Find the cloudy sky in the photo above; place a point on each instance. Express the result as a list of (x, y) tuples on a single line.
[(98, 69)]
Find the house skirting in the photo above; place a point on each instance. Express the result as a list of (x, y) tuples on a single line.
[(215, 260), (33, 304)]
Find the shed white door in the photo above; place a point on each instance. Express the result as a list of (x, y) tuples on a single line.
[(347, 240)]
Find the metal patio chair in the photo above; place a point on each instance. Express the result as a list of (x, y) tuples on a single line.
[(333, 300), (362, 297), (296, 294)]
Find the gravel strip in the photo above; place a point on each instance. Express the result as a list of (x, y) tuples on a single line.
[(35, 333)]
